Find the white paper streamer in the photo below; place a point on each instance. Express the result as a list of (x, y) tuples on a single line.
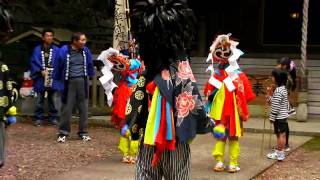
[(215, 82), (233, 65), (229, 84), (107, 78)]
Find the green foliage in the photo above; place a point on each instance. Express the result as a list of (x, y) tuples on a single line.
[(313, 144)]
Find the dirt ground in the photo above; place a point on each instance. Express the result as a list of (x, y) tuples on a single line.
[(33, 153), (302, 164)]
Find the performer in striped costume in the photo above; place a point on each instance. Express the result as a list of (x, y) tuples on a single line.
[(166, 106)]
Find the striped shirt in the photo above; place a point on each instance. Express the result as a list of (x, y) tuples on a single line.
[(279, 104)]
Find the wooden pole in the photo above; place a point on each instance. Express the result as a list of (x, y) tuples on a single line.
[(304, 40)]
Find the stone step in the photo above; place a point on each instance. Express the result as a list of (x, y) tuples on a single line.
[(203, 68), (314, 86), (314, 104), (265, 61), (314, 110), (313, 91), (264, 66), (314, 74), (201, 80), (202, 75), (314, 116), (314, 97), (313, 80)]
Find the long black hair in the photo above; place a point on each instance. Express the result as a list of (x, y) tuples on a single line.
[(289, 65), (280, 77), (164, 29)]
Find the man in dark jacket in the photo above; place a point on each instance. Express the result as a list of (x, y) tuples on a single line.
[(73, 68), (42, 60)]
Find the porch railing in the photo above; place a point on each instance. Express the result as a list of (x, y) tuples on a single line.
[(97, 99), (97, 92)]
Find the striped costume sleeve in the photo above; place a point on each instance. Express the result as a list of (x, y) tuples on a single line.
[(275, 105)]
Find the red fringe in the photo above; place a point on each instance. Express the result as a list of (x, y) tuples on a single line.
[(120, 97), (151, 87), (161, 140)]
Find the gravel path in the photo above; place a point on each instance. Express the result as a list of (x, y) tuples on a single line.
[(33, 153), (301, 164)]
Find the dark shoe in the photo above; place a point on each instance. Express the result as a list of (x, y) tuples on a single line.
[(1, 164), (37, 122)]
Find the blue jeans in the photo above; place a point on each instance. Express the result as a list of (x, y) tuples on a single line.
[(39, 111)]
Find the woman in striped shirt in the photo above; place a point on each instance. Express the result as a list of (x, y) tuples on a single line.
[(279, 112)]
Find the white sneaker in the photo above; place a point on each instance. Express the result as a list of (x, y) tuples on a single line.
[(273, 155), (85, 138), (287, 149), (133, 160), (219, 167), (281, 156), (292, 112), (126, 159), (233, 169), (61, 138)]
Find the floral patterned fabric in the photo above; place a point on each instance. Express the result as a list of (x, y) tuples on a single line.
[(137, 109), (190, 115), (185, 72), (178, 86)]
